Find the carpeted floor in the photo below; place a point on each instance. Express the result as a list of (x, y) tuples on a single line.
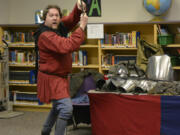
[(30, 123)]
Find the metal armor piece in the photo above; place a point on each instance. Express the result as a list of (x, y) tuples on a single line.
[(159, 68)]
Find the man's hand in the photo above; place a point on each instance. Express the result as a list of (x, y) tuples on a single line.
[(83, 20), (81, 5)]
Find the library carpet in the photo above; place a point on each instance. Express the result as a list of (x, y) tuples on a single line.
[(30, 123), (9, 114)]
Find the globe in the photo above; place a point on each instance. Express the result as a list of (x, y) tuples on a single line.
[(157, 7)]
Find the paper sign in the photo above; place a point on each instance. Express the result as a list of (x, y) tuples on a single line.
[(95, 31)]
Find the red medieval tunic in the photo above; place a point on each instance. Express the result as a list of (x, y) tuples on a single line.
[(55, 58)]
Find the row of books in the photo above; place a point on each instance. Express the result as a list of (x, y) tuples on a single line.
[(23, 96), (79, 58), (22, 56), (111, 59), (11, 37), (121, 39), (22, 77)]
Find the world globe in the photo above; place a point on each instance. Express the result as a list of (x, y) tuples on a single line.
[(157, 7)]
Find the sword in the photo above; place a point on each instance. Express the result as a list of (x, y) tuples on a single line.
[(82, 7)]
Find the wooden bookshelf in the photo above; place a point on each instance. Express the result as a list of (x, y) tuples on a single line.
[(105, 68), (94, 48), (88, 46), (31, 106), (24, 85), (22, 65), (118, 48), (21, 46), (86, 66), (173, 46), (176, 67)]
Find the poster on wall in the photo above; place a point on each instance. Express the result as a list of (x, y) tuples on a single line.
[(93, 8)]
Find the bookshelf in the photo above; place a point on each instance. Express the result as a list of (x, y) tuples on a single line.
[(21, 57), (120, 42), (20, 45), (119, 49), (173, 49), (27, 106), (15, 35), (22, 65), (173, 46), (96, 51), (88, 46), (87, 66), (27, 85)]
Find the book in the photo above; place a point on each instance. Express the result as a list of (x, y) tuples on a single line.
[(80, 57), (32, 77)]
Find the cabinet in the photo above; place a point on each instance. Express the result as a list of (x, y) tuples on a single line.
[(97, 51)]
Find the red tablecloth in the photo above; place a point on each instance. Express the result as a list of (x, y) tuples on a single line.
[(116, 114)]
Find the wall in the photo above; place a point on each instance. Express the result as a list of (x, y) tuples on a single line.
[(112, 10), (4, 11), (25, 14)]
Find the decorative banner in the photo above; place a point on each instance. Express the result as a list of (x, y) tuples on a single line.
[(93, 8)]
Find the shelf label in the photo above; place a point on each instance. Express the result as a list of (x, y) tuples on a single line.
[(95, 31)]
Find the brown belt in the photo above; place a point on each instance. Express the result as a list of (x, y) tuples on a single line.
[(62, 76)]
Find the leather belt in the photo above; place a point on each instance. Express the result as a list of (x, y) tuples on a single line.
[(62, 76)]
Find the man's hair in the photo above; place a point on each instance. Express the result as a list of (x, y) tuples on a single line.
[(46, 10)]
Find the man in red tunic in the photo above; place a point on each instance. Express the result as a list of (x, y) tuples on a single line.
[(55, 62)]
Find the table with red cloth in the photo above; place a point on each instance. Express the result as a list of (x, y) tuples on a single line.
[(122, 114)]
